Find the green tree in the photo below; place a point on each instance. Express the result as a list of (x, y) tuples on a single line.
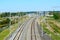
[(56, 14)]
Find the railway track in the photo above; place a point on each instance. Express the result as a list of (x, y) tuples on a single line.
[(35, 34), (30, 30), (20, 31)]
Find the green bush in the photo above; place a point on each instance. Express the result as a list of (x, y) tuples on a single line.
[(56, 15)]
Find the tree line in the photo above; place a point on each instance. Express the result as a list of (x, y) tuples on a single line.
[(8, 14)]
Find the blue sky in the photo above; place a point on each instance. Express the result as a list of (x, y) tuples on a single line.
[(29, 5)]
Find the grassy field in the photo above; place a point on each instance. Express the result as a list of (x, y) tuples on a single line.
[(55, 33), (4, 33)]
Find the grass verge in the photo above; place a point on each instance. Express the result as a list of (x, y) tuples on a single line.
[(4, 33)]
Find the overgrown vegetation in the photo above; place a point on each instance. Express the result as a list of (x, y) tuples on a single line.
[(8, 20), (56, 14), (52, 22)]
